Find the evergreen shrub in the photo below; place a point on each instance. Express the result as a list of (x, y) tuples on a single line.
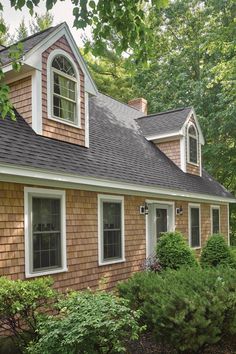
[(216, 252), (173, 251), (187, 309)]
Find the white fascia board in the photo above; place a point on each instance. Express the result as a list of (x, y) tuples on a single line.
[(169, 136), (73, 181), (192, 112), (33, 56)]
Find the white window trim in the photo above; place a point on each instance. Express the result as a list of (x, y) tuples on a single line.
[(188, 147), (190, 206), (41, 192), (110, 198), (50, 71), (215, 207)]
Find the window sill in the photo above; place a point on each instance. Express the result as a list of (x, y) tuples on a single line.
[(45, 273), (104, 263), (193, 163), (196, 248), (58, 120)]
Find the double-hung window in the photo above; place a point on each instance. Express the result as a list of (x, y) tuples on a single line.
[(192, 145), (215, 219), (63, 86), (194, 226), (64, 89), (111, 229), (44, 231)]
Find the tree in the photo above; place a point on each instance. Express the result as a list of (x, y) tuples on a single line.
[(21, 31), (125, 17), (41, 22), (193, 63), (3, 35), (112, 74)]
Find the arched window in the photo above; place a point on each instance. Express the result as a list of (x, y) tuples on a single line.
[(192, 144), (64, 90)]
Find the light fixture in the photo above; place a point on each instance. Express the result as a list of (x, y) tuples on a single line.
[(143, 209), (179, 211)]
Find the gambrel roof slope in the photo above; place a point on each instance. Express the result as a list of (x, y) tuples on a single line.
[(118, 152)]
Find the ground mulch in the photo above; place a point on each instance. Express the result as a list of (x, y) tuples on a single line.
[(147, 345)]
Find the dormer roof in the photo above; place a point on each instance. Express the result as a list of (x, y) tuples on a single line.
[(168, 125), (35, 45)]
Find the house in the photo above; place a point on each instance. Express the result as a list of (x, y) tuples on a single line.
[(87, 183)]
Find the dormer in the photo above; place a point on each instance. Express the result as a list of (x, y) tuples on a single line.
[(51, 90), (178, 135)]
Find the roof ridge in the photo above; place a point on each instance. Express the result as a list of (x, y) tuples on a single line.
[(29, 37), (165, 112), (115, 99)]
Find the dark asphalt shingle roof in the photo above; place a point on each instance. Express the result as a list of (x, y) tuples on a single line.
[(28, 44), (164, 123), (118, 151)]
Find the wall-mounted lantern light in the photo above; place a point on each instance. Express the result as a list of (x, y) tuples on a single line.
[(143, 209), (179, 211)]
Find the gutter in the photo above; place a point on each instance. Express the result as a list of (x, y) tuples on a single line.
[(26, 175)]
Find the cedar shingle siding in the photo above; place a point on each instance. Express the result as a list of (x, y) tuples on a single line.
[(21, 97), (82, 237), (172, 150), (51, 128)]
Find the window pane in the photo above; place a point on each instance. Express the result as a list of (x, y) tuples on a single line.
[(63, 64), (64, 87), (192, 130), (161, 222), (63, 109), (46, 227), (112, 244), (215, 221), (195, 227), (192, 149)]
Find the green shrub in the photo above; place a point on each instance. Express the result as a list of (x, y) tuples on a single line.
[(173, 251), (21, 302), (233, 238), (87, 323), (216, 252), (187, 309)]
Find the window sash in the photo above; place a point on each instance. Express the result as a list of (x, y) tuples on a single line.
[(65, 91), (29, 194), (193, 149), (111, 226), (66, 107), (195, 237), (67, 112), (111, 223), (215, 220), (45, 225)]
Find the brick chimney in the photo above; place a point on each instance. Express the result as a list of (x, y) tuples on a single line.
[(140, 104)]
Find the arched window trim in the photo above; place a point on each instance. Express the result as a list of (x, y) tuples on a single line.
[(196, 137), (50, 71)]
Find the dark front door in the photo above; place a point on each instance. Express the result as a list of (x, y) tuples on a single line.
[(161, 221)]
